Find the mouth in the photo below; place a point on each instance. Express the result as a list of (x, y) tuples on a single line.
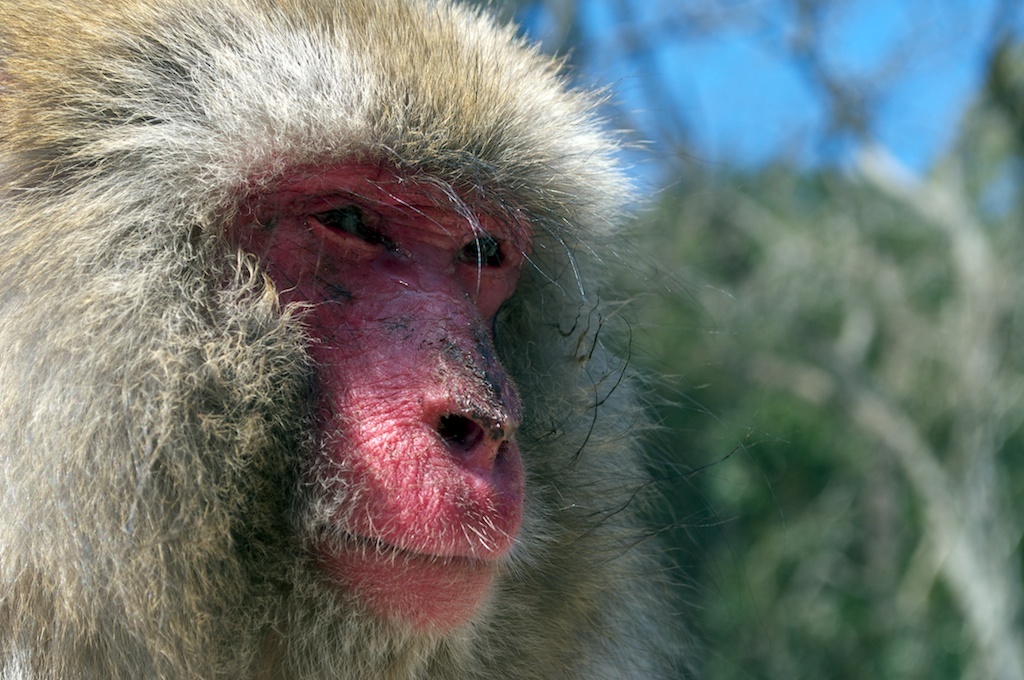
[(409, 589)]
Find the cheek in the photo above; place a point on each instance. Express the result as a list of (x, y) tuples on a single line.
[(299, 263), (489, 289)]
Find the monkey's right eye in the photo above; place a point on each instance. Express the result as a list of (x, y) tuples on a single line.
[(482, 251), (350, 220)]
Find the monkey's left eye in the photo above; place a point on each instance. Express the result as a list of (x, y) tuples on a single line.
[(483, 251)]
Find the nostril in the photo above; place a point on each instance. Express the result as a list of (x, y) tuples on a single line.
[(460, 432)]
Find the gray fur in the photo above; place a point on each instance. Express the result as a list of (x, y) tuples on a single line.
[(155, 398)]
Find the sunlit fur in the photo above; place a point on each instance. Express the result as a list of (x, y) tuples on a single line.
[(156, 436)]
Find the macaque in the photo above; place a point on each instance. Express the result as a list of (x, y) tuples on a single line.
[(301, 370)]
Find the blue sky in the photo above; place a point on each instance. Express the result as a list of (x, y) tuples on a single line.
[(743, 101)]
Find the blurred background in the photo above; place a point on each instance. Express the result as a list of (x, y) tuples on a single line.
[(828, 284)]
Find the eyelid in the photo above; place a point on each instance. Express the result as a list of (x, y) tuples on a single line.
[(354, 220)]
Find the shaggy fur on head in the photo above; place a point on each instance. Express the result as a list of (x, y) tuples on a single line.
[(155, 396)]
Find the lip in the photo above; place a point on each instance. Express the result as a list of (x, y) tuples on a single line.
[(384, 550), (410, 589)]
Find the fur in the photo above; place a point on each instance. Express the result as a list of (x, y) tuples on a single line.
[(155, 395)]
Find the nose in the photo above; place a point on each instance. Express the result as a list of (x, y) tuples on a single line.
[(478, 442)]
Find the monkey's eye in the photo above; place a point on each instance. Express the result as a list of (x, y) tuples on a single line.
[(483, 251), (350, 220)]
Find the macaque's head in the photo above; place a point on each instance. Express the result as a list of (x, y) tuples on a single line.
[(303, 368)]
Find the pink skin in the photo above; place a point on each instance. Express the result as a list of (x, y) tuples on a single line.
[(418, 414)]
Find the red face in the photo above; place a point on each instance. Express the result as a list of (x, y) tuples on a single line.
[(421, 477)]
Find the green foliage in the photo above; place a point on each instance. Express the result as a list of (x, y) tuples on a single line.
[(843, 363)]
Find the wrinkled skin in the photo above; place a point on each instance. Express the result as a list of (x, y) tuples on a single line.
[(402, 289)]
